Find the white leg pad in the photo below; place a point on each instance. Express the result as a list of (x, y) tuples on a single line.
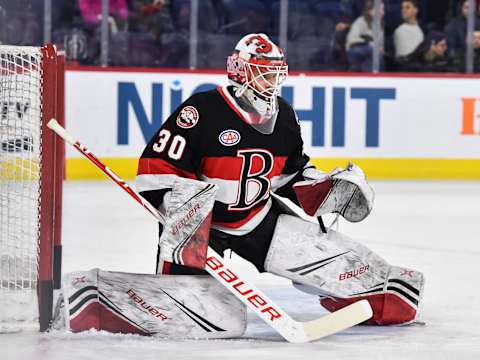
[(183, 306), (332, 263)]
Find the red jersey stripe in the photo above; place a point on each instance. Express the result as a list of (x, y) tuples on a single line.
[(152, 166), (239, 223)]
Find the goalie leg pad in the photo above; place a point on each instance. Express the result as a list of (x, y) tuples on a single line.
[(165, 306), (342, 269)]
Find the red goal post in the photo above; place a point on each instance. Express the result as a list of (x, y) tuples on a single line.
[(31, 175)]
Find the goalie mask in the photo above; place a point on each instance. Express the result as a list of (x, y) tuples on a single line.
[(257, 69)]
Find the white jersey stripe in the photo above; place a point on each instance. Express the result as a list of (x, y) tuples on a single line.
[(148, 182), (281, 180)]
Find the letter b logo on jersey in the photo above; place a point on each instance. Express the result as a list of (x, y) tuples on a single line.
[(254, 185)]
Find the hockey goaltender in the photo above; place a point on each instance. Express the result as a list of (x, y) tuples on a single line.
[(227, 171)]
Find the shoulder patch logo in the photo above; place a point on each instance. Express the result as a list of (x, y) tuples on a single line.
[(229, 137), (188, 117)]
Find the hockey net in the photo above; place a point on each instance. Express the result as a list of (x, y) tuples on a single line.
[(31, 173)]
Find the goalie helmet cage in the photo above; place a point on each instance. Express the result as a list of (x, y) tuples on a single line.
[(31, 175)]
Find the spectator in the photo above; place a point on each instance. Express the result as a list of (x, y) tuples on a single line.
[(151, 38), (435, 55), (456, 30), (360, 39), (408, 36), (431, 56), (150, 16), (476, 51), (91, 11), (460, 60)]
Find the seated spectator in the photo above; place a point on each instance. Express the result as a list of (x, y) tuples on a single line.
[(460, 59), (91, 11), (436, 51), (476, 51), (431, 56), (456, 30), (150, 17), (408, 36), (343, 22), (360, 39)]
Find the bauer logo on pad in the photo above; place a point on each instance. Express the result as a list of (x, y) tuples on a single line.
[(229, 137), (188, 117)]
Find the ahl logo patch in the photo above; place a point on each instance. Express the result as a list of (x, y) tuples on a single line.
[(188, 117), (229, 137)]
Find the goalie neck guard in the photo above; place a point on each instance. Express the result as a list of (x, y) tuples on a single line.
[(257, 69)]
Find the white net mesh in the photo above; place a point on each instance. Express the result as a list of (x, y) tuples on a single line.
[(20, 165)]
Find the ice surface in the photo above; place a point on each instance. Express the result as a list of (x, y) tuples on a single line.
[(429, 226)]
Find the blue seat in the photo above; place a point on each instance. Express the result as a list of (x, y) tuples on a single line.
[(214, 50), (246, 16), (302, 21), (310, 53), (207, 16)]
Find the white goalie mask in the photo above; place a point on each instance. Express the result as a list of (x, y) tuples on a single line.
[(257, 69)]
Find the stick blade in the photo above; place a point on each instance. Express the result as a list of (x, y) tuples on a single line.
[(339, 320)]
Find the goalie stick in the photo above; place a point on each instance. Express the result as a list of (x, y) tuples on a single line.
[(292, 330)]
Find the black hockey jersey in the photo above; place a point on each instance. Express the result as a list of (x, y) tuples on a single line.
[(208, 138)]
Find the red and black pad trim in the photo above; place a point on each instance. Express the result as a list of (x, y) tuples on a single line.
[(74, 297), (199, 320), (392, 305), (394, 289), (96, 311), (388, 308), (105, 301), (405, 284), (82, 302)]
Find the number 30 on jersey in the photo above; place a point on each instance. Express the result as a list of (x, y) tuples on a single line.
[(175, 146)]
